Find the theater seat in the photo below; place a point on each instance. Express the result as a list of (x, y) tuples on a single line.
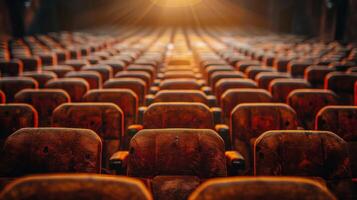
[(50, 150), (59, 70), (232, 83), (341, 120), (136, 74), (125, 99), (281, 88), (343, 85), (75, 87), (105, 71), (216, 76), (250, 120), (11, 68), (135, 84), (180, 84), (181, 115), (105, 119), (12, 85), (263, 79), (44, 101), (76, 64), (308, 102), (74, 187), (267, 188), (305, 153), (93, 78), (233, 97), (175, 160), (315, 74), (41, 77), (14, 117), (181, 96)]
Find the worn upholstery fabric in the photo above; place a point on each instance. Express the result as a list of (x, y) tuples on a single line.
[(267, 188), (50, 150), (75, 187)]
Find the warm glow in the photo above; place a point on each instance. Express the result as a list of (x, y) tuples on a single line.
[(175, 3)]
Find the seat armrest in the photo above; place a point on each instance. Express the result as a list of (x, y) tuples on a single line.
[(235, 162), (224, 132), (154, 90), (118, 162), (133, 129), (212, 100), (217, 114), (207, 90), (149, 99), (156, 82), (141, 110)]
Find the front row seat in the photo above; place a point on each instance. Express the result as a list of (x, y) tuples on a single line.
[(175, 161)]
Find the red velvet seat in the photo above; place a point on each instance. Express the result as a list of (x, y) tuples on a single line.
[(44, 101), (14, 117), (93, 78), (305, 153), (105, 71), (233, 97), (341, 120), (135, 84), (343, 85), (232, 83), (50, 150), (281, 88), (250, 120), (75, 87), (67, 186), (268, 188), (308, 102), (59, 70), (41, 77), (263, 79), (11, 68), (105, 119), (12, 85)]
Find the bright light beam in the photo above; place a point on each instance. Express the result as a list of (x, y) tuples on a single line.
[(176, 3)]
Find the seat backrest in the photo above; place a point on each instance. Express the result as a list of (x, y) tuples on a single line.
[(135, 84), (76, 63), (14, 117), (59, 70), (12, 85), (44, 101), (181, 96), (232, 83), (180, 84), (308, 102), (178, 115), (216, 76), (50, 150), (252, 71), (342, 84), (73, 187), (264, 78), (75, 87), (233, 97), (105, 71), (11, 68), (297, 68), (145, 76), (316, 74), (268, 188), (41, 77), (341, 120), (301, 153), (106, 119), (250, 120), (125, 99), (190, 152), (281, 88), (93, 78)]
